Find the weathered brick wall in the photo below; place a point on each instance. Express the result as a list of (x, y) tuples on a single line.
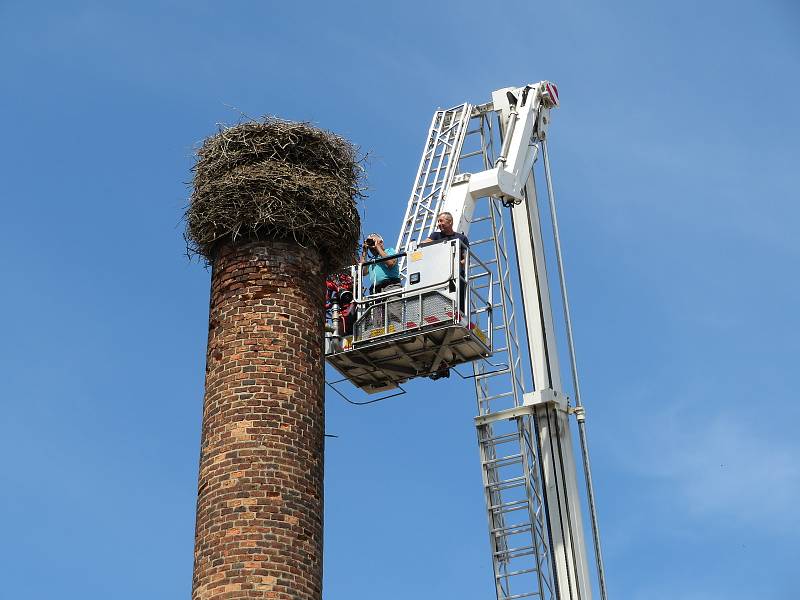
[(259, 505)]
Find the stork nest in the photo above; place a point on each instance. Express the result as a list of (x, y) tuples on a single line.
[(276, 180)]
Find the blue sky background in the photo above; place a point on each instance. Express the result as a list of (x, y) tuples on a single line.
[(675, 162)]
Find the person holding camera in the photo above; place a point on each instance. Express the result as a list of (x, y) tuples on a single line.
[(385, 275)]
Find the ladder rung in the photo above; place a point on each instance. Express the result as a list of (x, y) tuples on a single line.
[(511, 459), (498, 396), (518, 572), (525, 595), (479, 242), (515, 552), (471, 154), (512, 529), (507, 484), (502, 463), (506, 437), (509, 506)]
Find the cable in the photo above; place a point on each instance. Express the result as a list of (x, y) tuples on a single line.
[(346, 399)]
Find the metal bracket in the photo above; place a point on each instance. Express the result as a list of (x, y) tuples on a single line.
[(504, 415), (481, 109), (579, 412), (547, 396)]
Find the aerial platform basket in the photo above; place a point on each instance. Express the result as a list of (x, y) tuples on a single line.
[(439, 318)]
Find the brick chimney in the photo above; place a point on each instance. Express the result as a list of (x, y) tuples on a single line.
[(260, 494)]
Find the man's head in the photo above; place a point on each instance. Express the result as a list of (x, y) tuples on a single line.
[(445, 223)]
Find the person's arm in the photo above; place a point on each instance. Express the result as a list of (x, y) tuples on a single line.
[(363, 259), (382, 252), (430, 239), (464, 249)]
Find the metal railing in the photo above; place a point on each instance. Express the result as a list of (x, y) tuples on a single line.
[(463, 296)]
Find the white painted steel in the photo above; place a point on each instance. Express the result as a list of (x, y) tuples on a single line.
[(528, 467), (510, 177), (434, 176), (574, 368), (507, 447), (542, 347)]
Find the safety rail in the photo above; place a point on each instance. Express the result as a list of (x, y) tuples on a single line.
[(461, 296)]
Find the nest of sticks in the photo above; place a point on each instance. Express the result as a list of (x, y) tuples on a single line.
[(276, 180)]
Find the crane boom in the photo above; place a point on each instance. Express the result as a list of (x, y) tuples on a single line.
[(460, 305), (524, 116)]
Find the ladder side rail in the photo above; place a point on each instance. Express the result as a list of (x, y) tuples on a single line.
[(505, 321), (458, 147), (512, 320), (446, 142), (417, 200), (483, 385), (492, 498), (418, 189), (520, 551), (507, 305), (488, 453)]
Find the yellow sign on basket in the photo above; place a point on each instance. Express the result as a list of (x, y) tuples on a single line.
[(380, 331), (415, 256)]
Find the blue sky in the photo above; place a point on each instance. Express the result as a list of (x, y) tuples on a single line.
[(675, 163)]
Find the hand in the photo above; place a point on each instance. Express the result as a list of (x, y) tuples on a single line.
[(379, 246)]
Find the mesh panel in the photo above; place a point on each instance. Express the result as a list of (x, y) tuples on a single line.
[(412, 313), (435, 307), (395, 313), (403, 315)]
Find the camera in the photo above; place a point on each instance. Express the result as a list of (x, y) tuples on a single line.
[(369, 242)]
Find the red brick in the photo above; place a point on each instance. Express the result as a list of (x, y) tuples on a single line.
[(259, 506)]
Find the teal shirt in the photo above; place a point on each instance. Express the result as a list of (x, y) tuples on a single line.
[(380, 272)]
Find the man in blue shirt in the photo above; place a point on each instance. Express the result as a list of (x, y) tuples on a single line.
[(385, 275), (444, 221), (446, 232)]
